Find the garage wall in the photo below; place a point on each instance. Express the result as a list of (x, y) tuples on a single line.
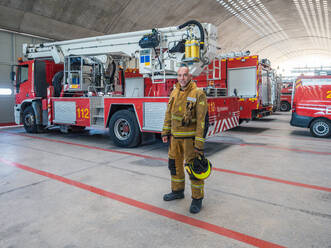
[(10, 50)]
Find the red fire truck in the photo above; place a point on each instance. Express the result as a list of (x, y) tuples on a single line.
[(120, 81), (286, 96), (249, 79), (312, 105)]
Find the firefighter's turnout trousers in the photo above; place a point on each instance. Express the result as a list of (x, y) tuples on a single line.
[(185, 123), (181, 150)]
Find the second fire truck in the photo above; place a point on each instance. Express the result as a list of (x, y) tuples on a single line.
[(286, 96), (250, 79)]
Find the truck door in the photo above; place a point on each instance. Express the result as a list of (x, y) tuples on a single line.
[(40, 84), (23, 82), (22, 76)]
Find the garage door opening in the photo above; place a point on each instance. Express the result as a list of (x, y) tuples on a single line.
[(5, 92)]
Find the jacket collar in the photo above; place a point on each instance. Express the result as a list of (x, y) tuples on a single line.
[(190, 85)]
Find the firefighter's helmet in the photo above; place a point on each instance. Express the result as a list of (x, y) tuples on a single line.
[(200, 168)]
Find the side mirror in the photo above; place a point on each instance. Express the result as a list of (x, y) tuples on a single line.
[(13, 76), (235, 92)]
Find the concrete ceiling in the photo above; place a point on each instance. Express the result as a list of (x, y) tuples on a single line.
[(276, 29)]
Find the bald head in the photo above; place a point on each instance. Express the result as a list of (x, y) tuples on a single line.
[(183, 76)]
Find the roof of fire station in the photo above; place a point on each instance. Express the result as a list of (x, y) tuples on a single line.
[(276, 29)]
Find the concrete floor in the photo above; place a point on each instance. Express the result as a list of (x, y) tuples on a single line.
[(262, 192)]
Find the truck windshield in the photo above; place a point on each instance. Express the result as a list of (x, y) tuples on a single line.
[(22, 76), (23, 72)]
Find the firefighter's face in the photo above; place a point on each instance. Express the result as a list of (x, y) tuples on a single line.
[(183, 76)]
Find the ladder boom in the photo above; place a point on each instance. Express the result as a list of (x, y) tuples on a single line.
[(127, 45)]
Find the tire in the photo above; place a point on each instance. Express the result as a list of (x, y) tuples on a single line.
[(320, 128), (285, 106), (57, 83), (29, 120), (124, 129)]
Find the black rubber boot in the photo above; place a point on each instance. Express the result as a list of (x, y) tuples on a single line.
[(174, 195), (195, 206)]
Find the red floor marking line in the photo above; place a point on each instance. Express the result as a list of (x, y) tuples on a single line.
[(150, 208), (279, 148), (166, 160), (8, 124), (287, 149), (278, 136), (86, 146), (150, 157), (274, 180)]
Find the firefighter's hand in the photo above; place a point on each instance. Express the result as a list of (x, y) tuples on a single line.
[(198, 152), (165, 139)]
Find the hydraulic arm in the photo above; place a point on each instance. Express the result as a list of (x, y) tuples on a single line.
[(158, 51)]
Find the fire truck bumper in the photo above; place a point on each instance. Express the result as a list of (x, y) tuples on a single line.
[(17, 112), (300, 120)]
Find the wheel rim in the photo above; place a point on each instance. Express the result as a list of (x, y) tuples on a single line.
[(29, 120), (321, 128), (122, 129), (283, 107)]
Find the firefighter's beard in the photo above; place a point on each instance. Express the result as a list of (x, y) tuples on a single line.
[(183, 83)]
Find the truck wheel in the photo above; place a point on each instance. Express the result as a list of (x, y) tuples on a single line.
[(285, 106), (124, 129), (320, 128), (29, 120)]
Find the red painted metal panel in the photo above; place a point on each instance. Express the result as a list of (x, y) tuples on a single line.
[(83, 112), (286, 98), (243, 62), (247, 106), (44, 104), (313, 99), (136, 103), (223, 114)]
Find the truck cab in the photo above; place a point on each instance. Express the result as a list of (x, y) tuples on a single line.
[(33, 77)]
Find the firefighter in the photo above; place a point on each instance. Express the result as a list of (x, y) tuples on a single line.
[(183, 128)]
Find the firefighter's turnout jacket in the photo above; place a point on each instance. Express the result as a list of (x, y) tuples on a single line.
[(185, 123), (185, 115)]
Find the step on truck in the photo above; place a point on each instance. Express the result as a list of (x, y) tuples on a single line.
[(120, 81)]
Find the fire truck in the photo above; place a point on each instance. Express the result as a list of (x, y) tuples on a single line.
[(120, 81), (312, 105), (250, 79), (286, 96)]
